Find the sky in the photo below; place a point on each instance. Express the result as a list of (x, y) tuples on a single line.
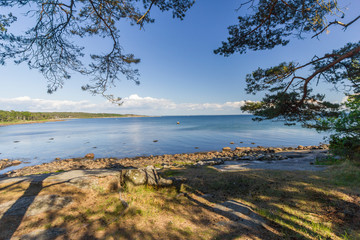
[(180, 74)]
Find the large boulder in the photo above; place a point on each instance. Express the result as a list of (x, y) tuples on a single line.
[(143, 176)]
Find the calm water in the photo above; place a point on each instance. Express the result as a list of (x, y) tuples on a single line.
[(129, 137)]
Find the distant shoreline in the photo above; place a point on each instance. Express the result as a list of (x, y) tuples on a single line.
[(4, 124)]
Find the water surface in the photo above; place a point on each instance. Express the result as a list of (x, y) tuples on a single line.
[(130, 137)]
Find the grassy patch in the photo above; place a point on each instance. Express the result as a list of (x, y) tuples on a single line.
[(297, 205), (329, 160), (300, 205), (170, 173), (346, 174)]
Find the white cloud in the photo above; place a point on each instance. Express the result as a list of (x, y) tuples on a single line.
[(132, 104)]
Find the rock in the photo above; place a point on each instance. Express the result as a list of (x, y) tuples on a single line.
[(4, 163), (90, 156), (214, 161), (241, 215), (226, 149), (276, 150), (155, 140), (300, 147), (242, 149), (34, 205), (324, 146), (232, 143), (143, 176)]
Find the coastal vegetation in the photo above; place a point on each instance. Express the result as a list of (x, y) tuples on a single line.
[(295, 205), (291, 92), (8, 117), (48, 46)]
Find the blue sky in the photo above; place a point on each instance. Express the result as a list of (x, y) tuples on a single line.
[(180, 74)]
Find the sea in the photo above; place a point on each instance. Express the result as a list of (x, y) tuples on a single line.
[(144, 136)]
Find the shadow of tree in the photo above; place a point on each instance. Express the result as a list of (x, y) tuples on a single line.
[(280, 196), (228, 205), (12, 218)]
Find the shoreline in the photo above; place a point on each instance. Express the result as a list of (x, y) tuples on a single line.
[(4, 124), (167, 161)]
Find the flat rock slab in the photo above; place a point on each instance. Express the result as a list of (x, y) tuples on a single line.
[(297, 161), (33, 205), (240, 215), (72, 175)]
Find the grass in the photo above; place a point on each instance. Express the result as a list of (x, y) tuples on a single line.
[(296, 205), (329, 160)]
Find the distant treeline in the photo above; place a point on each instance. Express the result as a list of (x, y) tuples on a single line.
[(15, 116)]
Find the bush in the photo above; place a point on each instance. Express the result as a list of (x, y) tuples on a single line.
[(345, 140)]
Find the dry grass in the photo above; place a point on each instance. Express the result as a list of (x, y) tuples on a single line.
[(298, 205)]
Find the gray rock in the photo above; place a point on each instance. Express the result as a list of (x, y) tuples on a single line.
[(241, 214), (210, 162), (37, 205), (143, 176)]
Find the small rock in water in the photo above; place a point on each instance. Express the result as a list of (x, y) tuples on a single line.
[(94, 147), (196, 147), (253, 143), (232, 143), (241, 142), (155, 140), (226, 149), (51, 138), (90, 155), (16, 141)]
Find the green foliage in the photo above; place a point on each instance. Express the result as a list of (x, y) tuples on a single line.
[(15, 116), (272, 23), (330, 160), (289, 95), (345, 139)]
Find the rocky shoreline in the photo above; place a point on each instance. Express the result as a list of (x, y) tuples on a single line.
[(165, 161)]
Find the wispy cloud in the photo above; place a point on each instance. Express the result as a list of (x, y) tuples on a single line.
[(132, 104)]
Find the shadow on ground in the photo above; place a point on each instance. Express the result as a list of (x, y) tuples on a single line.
[(254, 204)]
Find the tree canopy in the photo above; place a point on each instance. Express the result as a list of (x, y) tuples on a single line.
[(288, 89), (289, 85), (49, 47)]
